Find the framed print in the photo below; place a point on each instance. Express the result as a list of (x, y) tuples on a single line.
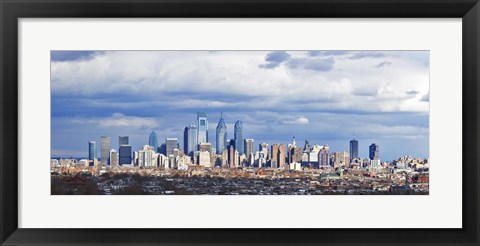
[(326, 123)]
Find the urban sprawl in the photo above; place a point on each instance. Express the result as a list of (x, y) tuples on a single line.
[(234, 167)]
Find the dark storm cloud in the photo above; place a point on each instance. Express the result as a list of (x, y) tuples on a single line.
[(64, 55), (274, 59)]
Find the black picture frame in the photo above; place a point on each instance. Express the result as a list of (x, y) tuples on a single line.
[(12, 10)]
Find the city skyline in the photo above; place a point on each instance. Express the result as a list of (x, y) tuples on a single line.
[(385, 110)]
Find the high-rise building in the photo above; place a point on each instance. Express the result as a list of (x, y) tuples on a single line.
[(231, 153), (238, 136), (105, 150), (221, 135), (202, 126), (353, 149), (307, 147), (147, 157), (125, 154), (153, 140), (92, 150), (248, 147), (190, 139), (341, 159), (324, 156), (113, 158), (263, 147), (122, 140), (278, 156), (374, 152), (171, 143)]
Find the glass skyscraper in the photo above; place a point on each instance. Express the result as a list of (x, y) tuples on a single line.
[(92, 150), (238, 136), (202, 125), (125, 154), (105, 151), (153, 140), (171, 143), (221, 137), (190, 139), (374, 152), (353, 149)]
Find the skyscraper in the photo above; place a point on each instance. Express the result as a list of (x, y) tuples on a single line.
[(238, 132), (324, 156), (171, 143), (221, 135), (92, 150), (248, 146), (105, 151), (263, 147), (278, 155), (202, 125), (353, 149), (374, 152), (190, 139), (122, 140), (153, 140), (125, 154), (113, 158)]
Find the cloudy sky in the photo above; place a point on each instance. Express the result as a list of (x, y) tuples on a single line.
[(327, 97)]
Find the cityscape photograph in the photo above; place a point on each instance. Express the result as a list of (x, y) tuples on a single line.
[(284, 122)]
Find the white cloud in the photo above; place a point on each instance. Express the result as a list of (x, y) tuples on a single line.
[(298, 121)]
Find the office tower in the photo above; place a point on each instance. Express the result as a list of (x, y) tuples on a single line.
[(278, 155), (324, 156), (374, 152), (105, 150), (263, 147), (307, 147), (238, 132), (171, 144), (113, 158), (341, 159), (122, 140), (92, 150), (162, 149), (221, 135), (204, 159), (248, 147), (190, 139), (313, 154), (153, 140), (146, 157), (294, 154), (231, 153), (125, 154), (202, 126), (353, 149)]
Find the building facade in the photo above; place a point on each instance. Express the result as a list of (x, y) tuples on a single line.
[(190, 139), (125, 154), (92, 150), (221, 135), (374, 152), (105, 150), (202, 125), (171, 144), (238, 136), (153, 140), (353, 149)]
